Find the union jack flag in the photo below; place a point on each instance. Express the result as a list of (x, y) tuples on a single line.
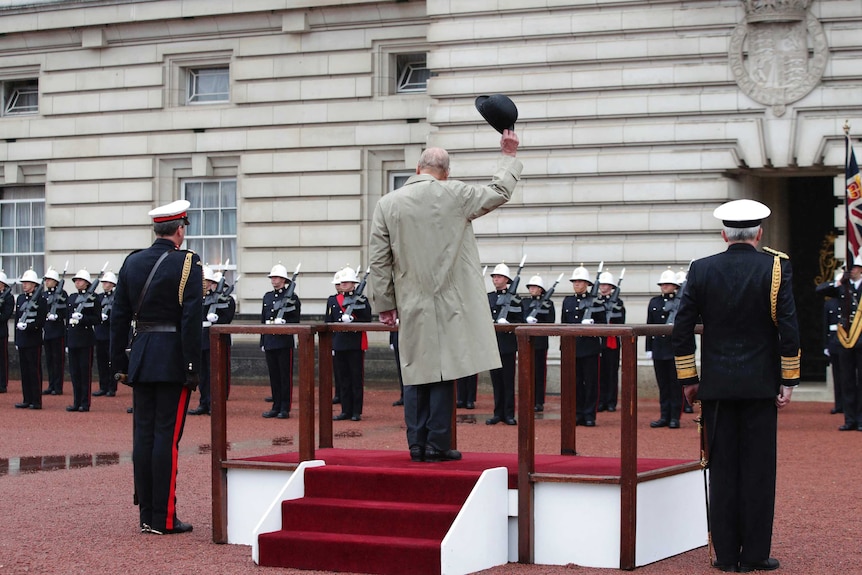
[(854, 203)]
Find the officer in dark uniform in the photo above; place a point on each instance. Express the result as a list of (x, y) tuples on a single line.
[(609, 362), (466, 391), (544, 313), (831, 345), (7, 309), (161, 290), (660, 350), (349, 347), (582, 308), (503, 378), (280, 306), (749, 366), (30, 311), (54, 332), (83, 312), (107, 383)]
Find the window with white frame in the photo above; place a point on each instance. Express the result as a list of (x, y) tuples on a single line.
[(22, 230), (398, 179), (212, 221), (20, 97), (411, 73), (208, 85)]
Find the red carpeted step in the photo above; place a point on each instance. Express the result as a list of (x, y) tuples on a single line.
[(350, 553)]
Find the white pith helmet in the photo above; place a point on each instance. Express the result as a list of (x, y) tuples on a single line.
[(51, 274), (217, 276), (502, 269), (209, 275), (277, 271), (680, 277), (83, 275), (109, 277), (668, 277), (348, 274), (30, 276), (336, 279), (581, 273), (607, 278), (857, 261), (536, 281), (5, 280)]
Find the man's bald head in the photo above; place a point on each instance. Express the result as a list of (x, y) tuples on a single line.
[(435, 162)]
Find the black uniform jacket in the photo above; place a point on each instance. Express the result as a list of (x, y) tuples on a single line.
[(546, 314), (661, 345), (574, 309), (344, 341), (7, 310), (742, 349), (831, 319), (506, 342), (55, 328), (158, 356), (848, 297), (32, 336), (103, 328), (273, 302), (225, 315), (82, 334)]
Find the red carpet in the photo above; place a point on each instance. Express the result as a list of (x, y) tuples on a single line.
[(368, 519)]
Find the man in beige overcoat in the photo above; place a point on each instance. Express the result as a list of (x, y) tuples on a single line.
[(426, 274)]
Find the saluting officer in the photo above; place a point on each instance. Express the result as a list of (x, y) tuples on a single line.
[(30, 311), (107, 383), (581, 308), (160, 288), (660, 350), (7, 309), (545, 313), (54, 332), (609, 363), (503, 378), (280, 306), (83, 312)]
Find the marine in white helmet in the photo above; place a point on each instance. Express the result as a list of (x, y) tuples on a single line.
[(107, 383), (280, 306)]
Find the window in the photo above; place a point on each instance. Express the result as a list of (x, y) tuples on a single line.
[(20, 97), (398, 179), (207, 85), (411, 73), (22, 230), (212, 221)]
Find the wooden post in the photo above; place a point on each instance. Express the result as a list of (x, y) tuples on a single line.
[(568, 396), (219, 373), (324, 385), (306, 395), (526, 446), (628, 452)]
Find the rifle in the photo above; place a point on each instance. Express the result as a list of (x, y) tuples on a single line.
[(611, 304), (589, 301), (672, 305), (545, 298), (89, 296), (29, 311), (218, 299), (56, 298), (355, 301), (505, 300), (286, 304)]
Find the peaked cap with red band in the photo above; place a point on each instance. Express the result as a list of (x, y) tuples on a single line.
[(177, 210)]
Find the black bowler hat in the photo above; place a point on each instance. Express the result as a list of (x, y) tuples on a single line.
[(499, 111)]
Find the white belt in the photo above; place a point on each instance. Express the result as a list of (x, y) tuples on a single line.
[(833, 327), (206, 323)]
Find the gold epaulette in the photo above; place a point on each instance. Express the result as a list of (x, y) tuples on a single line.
[(790, 366), (685, 367), (187, 268), (776, 253)]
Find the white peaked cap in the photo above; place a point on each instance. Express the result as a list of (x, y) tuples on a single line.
[(109, 277), (607, 278), (536, 281), (30, 276), (278, 271), (209, 275), (742, 213), (83, 275), (177, 210), (502, 270), (51, 274), (668, 277), (581, 273)]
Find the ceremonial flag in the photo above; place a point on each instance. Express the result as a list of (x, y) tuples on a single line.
[(854, 203)]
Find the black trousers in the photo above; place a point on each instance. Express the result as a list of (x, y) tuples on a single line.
[(55, 353), (609, 377), (741, 437), (851, 388), (428, 415), (4, 363), (837, 379), (349, 364), (503, 381), (103, 363), (400, 380), (159, 418), (30, 359), (669, 389), (81, 374), (279, 362), (586, 387), (540, 371), (467, 387)]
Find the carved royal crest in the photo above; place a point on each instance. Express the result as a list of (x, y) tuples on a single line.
[(778, 53)]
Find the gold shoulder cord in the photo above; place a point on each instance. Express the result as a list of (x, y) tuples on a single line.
[(776, 281), (187, 269)]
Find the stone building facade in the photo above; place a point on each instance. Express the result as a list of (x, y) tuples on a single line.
[(285, 120)]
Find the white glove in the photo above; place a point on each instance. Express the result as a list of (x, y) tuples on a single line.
[(826, 352), (649, 355), (51, 317), (21, 325), (73, 322), (279, 321), (213, 317), (392, 346), (588, 321), (77, 315), (104, 317), (262, 348), (531, 319), (345, 318)]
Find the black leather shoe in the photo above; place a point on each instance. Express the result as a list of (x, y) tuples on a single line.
[(56, 392), (589, 423), (726, 567), (835, 410), (580, 421), (459, 404), (845, 427), (47, 391), (99, 393), (471, 405), (111, 393), (417, 454), (510, 421), (612, 408), (341, 417), (602, 407), (283, 415), (356, 418), (269, 414), (432, 454), (493, 421), (673, 424), (199, 410), (22, 405), (71, 408), (539, 408), (130, 410), (84, 408), (268, 399), (770, 564), (179, 527), (3, 390), (397, 402), (35, 406), (658, 423), (688, 409)]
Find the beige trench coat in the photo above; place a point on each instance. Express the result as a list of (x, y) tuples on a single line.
[(425, 263)]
